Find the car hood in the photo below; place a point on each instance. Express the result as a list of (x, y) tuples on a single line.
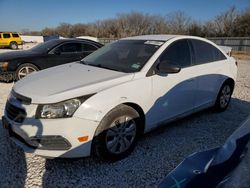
[(68, 81), (9, 56)]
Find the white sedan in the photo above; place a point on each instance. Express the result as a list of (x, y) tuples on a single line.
[(103, 103)]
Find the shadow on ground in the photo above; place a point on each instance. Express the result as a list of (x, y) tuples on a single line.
[(13, 167)]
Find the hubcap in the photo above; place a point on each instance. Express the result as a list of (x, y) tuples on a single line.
[(225, 96), (14, 46), (25, 71), (121, 135)]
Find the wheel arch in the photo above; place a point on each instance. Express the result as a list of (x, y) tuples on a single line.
[(100, 129), (231, 82), (140, 111), (27, 62), (134, 106), (12, 42)]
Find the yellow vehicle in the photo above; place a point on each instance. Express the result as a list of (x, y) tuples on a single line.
[(10, 39)]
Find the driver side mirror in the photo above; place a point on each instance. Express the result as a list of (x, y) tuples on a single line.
[(166, 68)]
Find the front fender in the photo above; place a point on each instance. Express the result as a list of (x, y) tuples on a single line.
[(97, 106)]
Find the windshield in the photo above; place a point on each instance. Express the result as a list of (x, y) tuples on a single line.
[(124, 55), (46, 46)]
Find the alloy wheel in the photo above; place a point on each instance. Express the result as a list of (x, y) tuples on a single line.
[(225, 96), (121, 135), (24, 71)]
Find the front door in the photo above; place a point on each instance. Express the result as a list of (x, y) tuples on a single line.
[(65, 53), (173, 94)]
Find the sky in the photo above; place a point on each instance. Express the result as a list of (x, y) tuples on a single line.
[(35, 15)]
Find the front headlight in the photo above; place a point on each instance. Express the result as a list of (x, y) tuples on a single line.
[(63, 109), (4, 65)]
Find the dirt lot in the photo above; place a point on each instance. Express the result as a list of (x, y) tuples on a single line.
[(157, 152)]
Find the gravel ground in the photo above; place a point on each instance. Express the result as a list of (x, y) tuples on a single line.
[(157, 152)]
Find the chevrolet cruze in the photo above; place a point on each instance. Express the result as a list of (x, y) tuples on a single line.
[(101, 104)]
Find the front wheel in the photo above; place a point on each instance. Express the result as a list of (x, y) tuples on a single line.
[(224, 97), (117, 133), (25, 69)]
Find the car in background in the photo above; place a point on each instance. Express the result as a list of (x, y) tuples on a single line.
[(103, 103), (10, 39), (16, 65)]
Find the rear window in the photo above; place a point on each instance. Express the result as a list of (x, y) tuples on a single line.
[(205, 52), (15, 35), (70, 47), (89, 47), (5, 35)]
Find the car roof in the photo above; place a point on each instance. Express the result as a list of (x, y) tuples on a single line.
[(152, 37), (76, 40), (8, 32)]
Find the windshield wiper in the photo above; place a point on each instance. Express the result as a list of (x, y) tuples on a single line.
[(105, 67), (99, 65)]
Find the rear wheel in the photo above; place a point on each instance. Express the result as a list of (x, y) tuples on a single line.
[(13, 46), (224, 97), (25, 69), (117, 133)]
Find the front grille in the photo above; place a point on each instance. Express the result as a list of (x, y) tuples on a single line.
[(14, 113)]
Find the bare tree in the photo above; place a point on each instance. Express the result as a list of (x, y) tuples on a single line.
[(224, 23), (229, 23), (242, 24), (65, 30), (178, 22), (48, 31), (78, 30), (159, 25), (195, 29)]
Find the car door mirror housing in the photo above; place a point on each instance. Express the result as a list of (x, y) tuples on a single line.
[(167, 68)]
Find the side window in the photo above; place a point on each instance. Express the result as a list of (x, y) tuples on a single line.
[(5, 35), (15, 35), (0, 35), (177, 53), (70, 47), (88, 47), (217, 54), (205, 52)]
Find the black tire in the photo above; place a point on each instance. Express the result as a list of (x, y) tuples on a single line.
[(13, 46), (222, 101), (28, 66), (102, 141)]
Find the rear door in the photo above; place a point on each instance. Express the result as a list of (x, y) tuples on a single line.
[(87, 49), (173, 94), (209, 63)]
